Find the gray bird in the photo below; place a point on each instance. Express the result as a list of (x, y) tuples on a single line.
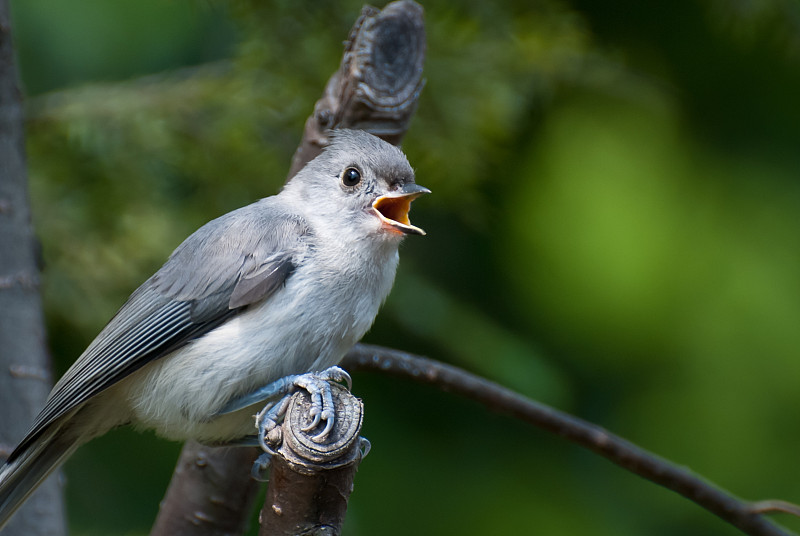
[(281, 287)]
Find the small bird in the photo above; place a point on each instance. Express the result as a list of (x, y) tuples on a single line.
[(282, 287)]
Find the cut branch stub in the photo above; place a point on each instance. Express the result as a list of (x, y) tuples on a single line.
[(383, 66), (378, 83), (309, 482), (339, 448)]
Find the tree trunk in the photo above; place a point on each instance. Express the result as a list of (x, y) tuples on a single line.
[(25, 378)]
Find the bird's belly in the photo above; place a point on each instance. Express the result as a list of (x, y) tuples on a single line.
[(179, 394)]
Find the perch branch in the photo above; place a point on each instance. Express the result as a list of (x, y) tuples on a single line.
[(310, 480)]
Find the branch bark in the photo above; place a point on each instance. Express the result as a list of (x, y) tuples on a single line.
[(744, 515), (25, 378), (200, 499), (376, 89), (310, 481), (378, 83)]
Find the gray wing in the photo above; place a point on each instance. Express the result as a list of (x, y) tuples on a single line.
[(234, 261)]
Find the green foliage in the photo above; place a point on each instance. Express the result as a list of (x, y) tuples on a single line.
[(613, 230)]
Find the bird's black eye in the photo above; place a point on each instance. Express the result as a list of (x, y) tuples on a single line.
[(351, 176)]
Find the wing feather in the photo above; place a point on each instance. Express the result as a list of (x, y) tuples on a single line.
[(234, 261)]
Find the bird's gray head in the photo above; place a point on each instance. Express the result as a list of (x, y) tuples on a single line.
[(361, 184)]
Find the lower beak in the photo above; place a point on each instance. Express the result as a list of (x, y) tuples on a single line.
[(393, 209)]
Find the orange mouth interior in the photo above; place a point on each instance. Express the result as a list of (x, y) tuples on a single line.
[(394, 208)]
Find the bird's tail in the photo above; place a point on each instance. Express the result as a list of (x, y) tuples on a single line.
[(25, 470)]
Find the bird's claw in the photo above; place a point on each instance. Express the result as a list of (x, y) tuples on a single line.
[(260, 469), (317, 384), (308, 380), (267, 424), (366, 446), (319, 389)]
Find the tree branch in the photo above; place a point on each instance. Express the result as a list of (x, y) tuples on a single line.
[(741, 514), (378, 83), (310, 481), (200, 499)]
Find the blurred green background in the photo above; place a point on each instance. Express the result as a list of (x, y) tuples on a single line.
[(613, 230)]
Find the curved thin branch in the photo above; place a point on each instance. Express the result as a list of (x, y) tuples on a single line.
[(744, 515), (775, 506)]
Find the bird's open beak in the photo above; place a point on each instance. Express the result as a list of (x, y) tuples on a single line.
[(393, 209)]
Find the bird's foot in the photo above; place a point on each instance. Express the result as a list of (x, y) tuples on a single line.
[(277, 396), (260, 469), (319, 388)]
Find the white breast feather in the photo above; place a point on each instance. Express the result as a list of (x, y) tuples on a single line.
[(307, 325)]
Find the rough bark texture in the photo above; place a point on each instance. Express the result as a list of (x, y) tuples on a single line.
[(376, 89), (309, 481), (25, 378), (378, 82), (210, 509)]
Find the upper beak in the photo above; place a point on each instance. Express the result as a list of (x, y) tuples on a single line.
[(393, 208)]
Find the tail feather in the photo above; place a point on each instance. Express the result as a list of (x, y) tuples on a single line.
[(25, 470)]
